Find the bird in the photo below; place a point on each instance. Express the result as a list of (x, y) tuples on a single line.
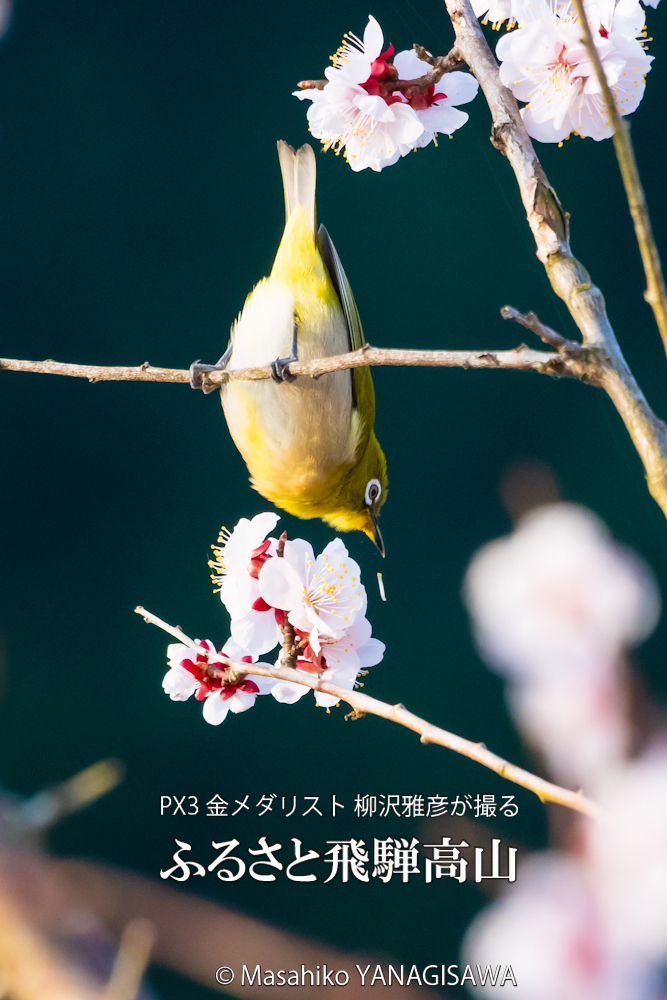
[(309, 444)]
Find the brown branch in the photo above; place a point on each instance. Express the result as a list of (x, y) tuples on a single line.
[(520, 359), (365, 705), (655, 293), (566, 348), (549, 224)]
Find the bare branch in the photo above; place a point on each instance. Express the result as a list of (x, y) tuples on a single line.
[(363, 704), (549, 225), (568, 348), (520, 359), (655, 293)]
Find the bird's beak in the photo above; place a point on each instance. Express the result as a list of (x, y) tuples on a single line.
[(373, 532)]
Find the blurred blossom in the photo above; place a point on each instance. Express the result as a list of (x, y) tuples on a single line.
[(628, 853), (594, 927), (553, 606), (548, 928)]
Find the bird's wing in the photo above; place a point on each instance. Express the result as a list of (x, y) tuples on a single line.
[(363, 397), (343, 290)]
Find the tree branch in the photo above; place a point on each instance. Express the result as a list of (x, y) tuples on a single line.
[(521, 358), (655, 293), (363, 704), (549, 224)]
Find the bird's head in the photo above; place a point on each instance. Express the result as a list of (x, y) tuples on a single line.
[(364, 491)]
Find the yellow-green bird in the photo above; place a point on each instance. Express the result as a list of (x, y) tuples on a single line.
[(309, 444)]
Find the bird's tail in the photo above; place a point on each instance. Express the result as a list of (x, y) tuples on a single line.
[(298, 169)]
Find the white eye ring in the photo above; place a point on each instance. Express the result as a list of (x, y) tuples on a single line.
[(373, 491)]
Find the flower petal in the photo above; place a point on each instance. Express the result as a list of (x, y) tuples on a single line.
[(215, 709)]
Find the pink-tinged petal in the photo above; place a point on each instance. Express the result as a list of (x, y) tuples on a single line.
[(234, 651), (373, 39), (238, 592), (279, 584), (177, 651), (305, 95), (300, 556), (242, 701), (444, 119), (326, 700), (376, 107), (257, 632), (409, 65), (179, 684), (371, 653), (287, 693), (544, 131), (215, 709), (461, 88), (265, 685), (409, 126)]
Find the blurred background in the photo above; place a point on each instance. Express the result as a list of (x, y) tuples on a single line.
[(140, 200)]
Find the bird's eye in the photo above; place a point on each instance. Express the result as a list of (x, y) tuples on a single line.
[(373, 491)]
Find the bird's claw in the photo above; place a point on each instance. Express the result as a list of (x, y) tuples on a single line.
[(198, 373), (280, 370)]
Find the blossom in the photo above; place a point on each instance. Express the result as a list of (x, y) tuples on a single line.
[(191, 672), (553, 606), (495, 11), (544, 62), (238, 559), (339, 661), (357, 111), (549, 924), (435, 109), (320, 596)]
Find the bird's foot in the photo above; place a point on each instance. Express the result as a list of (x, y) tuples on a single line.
[(280, 369), (198, 373)]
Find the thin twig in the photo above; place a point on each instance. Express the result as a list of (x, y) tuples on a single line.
[(655, 293), (565, 347), (519, 359), (365, 705)]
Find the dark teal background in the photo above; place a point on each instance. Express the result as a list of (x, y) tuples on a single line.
[(140, 200)]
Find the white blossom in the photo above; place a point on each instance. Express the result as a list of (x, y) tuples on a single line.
[(189, 674), (545, 63), (339, 661), (495, 11), (320, 596), (238, 557), (436, 109), (352, 113)]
